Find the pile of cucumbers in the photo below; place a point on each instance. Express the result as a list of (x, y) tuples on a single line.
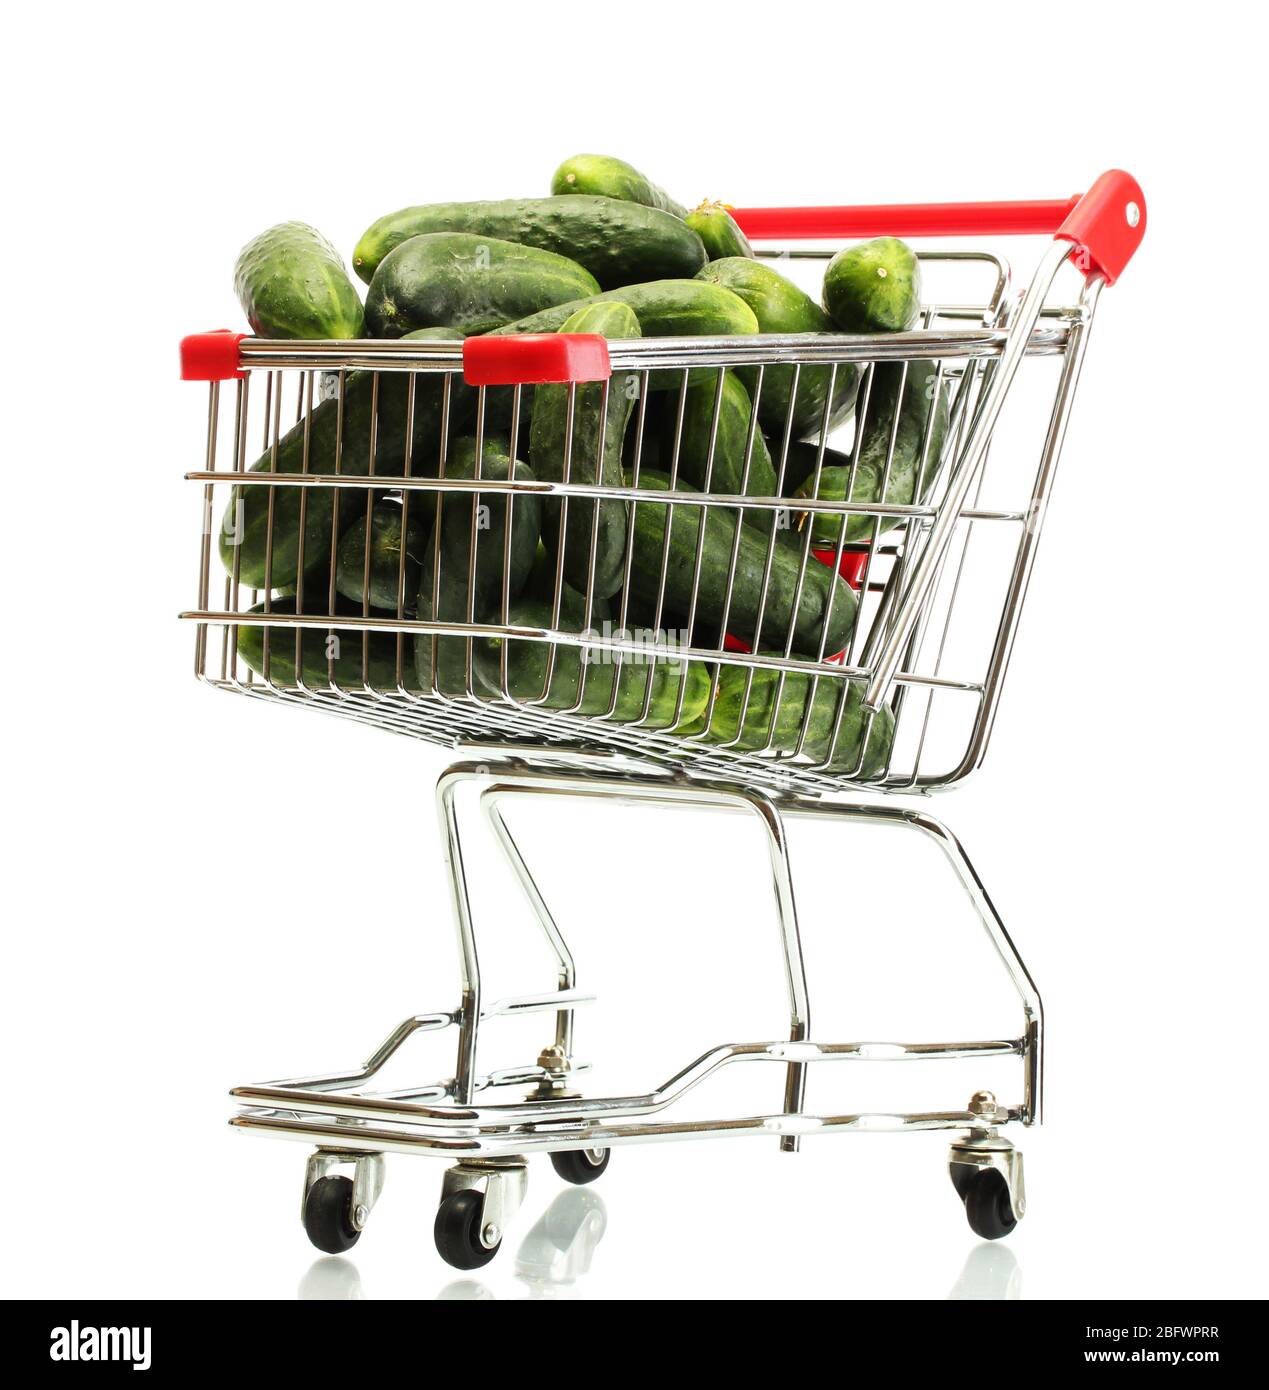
[(607, 252)]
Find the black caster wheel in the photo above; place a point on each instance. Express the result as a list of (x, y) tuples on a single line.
[(580, 1166), (987, 1205), (457, 1231), (328, 1219)]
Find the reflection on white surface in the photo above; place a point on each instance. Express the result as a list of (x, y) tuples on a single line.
[(331, 1279), (465, 1291), (558, 1250), (991, 1273)]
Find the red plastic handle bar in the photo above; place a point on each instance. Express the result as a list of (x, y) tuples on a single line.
[(211, 356), (532, 359), (906, 219), (1105, 224)]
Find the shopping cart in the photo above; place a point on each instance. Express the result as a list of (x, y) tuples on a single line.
[(777, 651)]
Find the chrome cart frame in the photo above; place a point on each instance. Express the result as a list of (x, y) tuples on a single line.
[(514, 748)]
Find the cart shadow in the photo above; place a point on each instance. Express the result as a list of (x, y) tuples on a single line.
[(550, 1260), (991, 1273)]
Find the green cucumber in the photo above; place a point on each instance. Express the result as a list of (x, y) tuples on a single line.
[(781, 307), (619, 242), (773, 715), (455, 516), (395, 568), (819, 588), (592, 425), (671, 679), (664, 308), (360, 658), (874, 287), (291, 283), (473, 283), (717, 228), (607, 177), (451, 652), (702, 404), (920, 434), (246, 525), (800, 462)]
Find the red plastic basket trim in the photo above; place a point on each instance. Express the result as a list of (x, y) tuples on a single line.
[(532, 359), (211, 356)]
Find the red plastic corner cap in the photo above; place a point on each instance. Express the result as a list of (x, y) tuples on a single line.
[(532, 359), (1106, 225), (211, 356)]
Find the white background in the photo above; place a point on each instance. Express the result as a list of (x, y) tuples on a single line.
[(201, 891)]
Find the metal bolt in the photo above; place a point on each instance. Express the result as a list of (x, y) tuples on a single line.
[(1133, 213), (982, 1103), (360, 1215), (490, 1236), (553, 1058)]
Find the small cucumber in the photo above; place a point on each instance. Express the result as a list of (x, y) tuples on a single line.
[(717, 228), (772, 716), (395, 567), (349, 648), (620, 243), (819, 588), (781, 307), (458, 509), (346, 439), (607, 177), (874, 287), (473, 283), (291, 283), (921, 432), (702, 403), (593, 427)]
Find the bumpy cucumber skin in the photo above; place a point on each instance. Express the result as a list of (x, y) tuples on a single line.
[(245, 526), (620, 243), (731, 440), (910, 445), (590, 423), (385, 553), (350, 672), (291, 283), (451, 664), (718, 229), (455, 520), (527, 663), (874, 287), (472, 283), (761, 723), (819, 586), (664, 308), (781, 307), (606, 177)]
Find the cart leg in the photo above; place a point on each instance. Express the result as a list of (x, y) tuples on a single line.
[(791, 948), (469, 962), (1032, 1005), (567, 971), (769, 816)]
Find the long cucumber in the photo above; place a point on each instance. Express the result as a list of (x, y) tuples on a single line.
[(598, 434), (821, 616)]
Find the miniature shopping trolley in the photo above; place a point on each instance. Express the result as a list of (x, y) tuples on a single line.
[(705, 623)]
